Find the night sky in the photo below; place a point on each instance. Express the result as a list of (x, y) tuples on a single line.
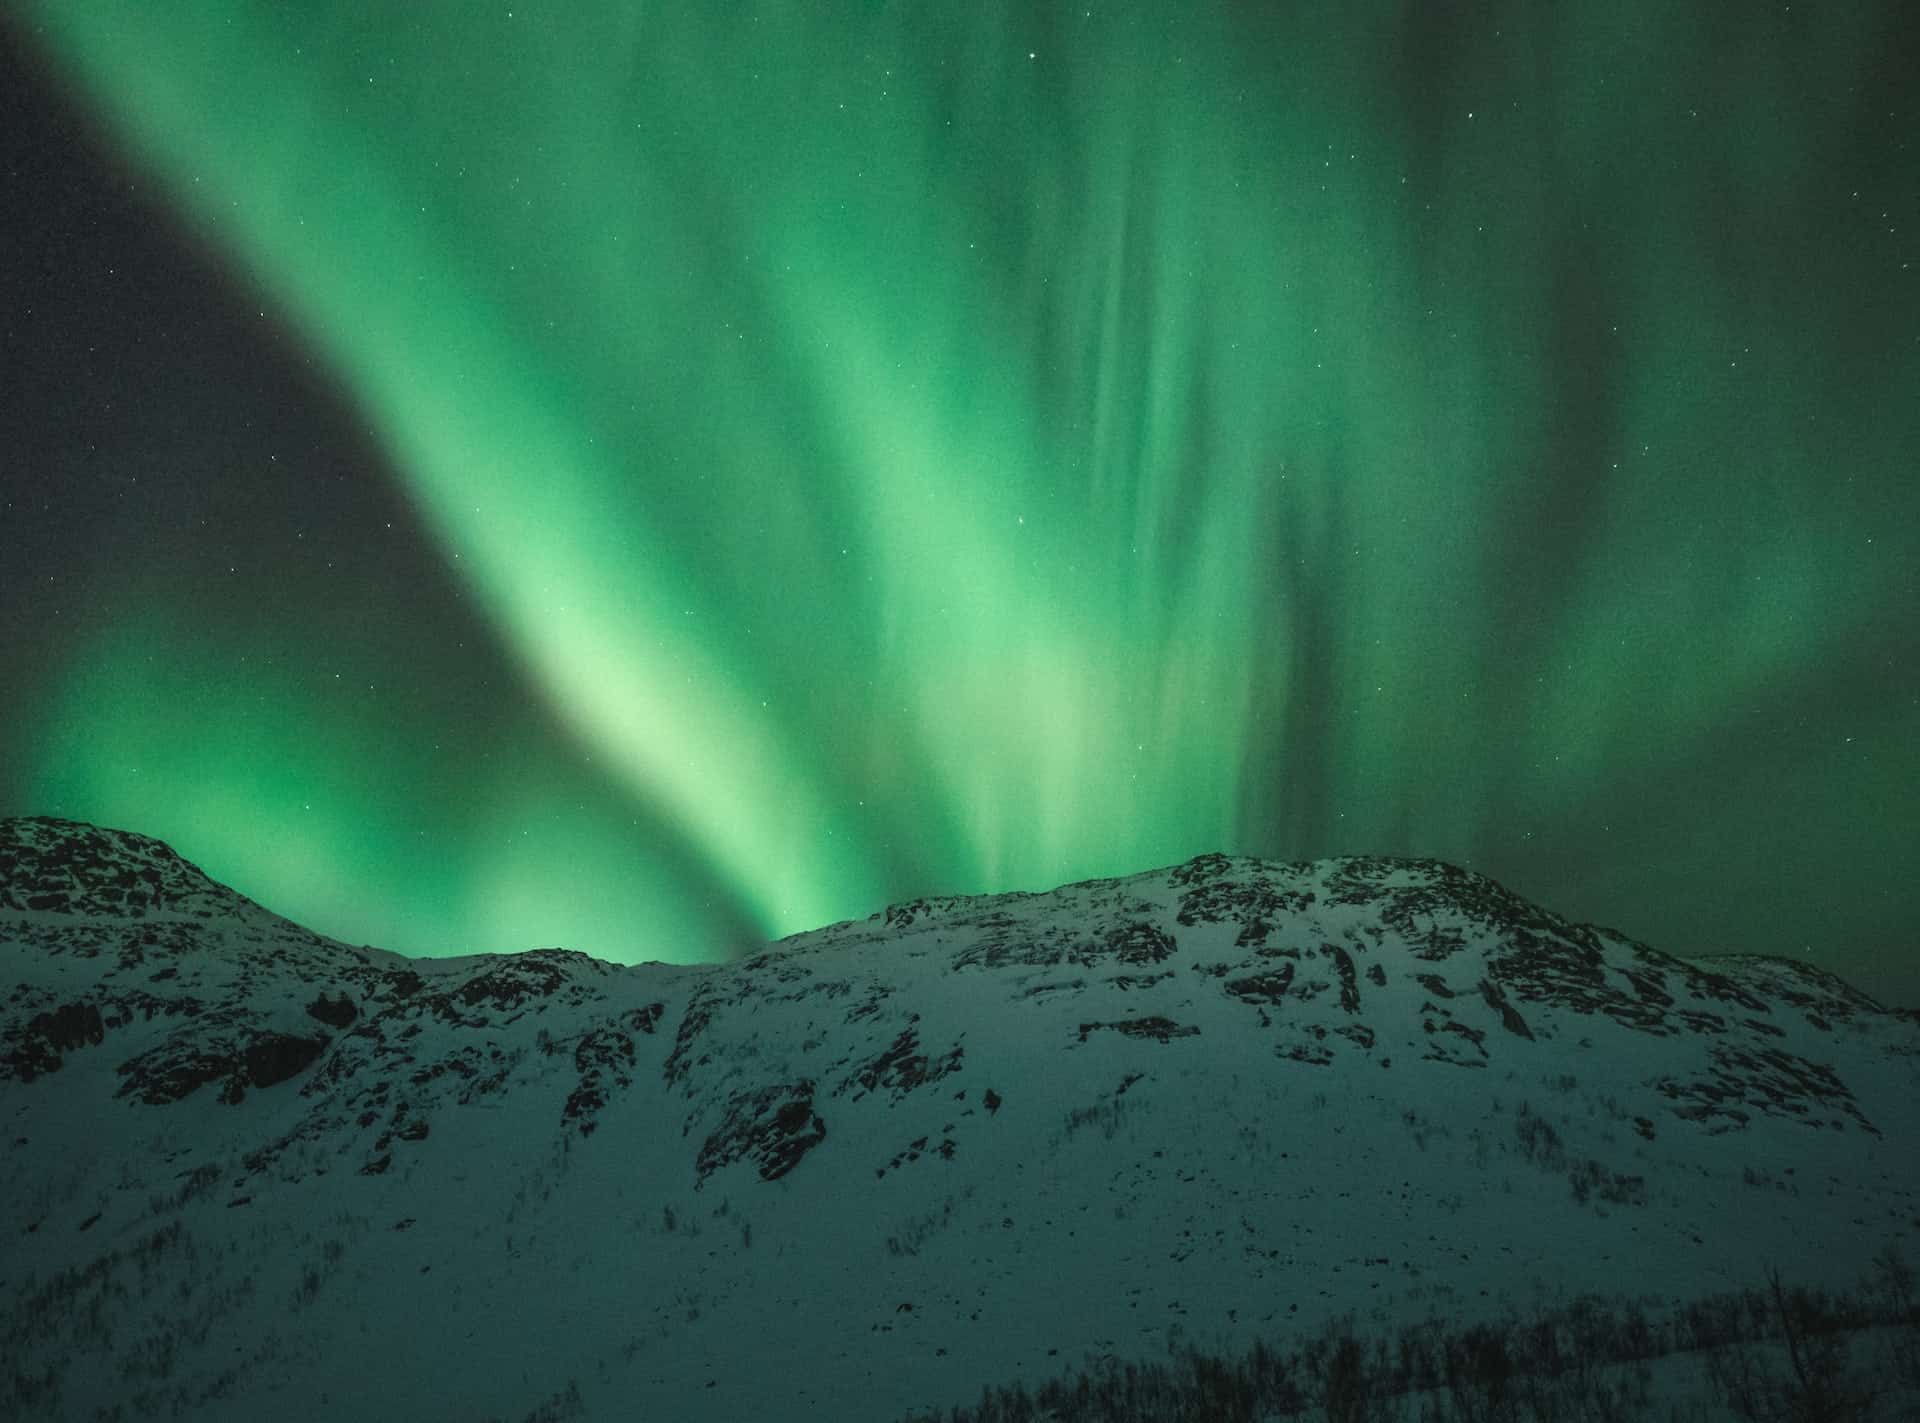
[(649, 478)]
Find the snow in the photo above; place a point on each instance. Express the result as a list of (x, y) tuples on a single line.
[(486, 1190)]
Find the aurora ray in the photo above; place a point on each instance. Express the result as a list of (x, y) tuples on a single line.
[(965, 448)]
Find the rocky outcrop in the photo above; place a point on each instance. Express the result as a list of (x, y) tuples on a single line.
[(188, 1061), (604, 1058), (1158, 1028), (902, 1067), (334, 1012), (772, 1128), (53, 866)]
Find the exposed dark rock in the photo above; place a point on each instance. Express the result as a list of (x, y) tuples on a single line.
[(37, 1049), (1041, 990), (1650, 985), (334, 1012), (509, 982), (1270, 988), (1428, 891), (699, 1013), (902, 1067), (604, 1058), (274, 1057), (1451, 1060), (1706, 984), (171, 1071), (1254, 904), (49, 865), (1510, 1018), (1780, 1084), (181, 1066), (1158, 1028), (914, 1151), (1128, 981), (1312, 1054), (1349, 980), (773, 1127), (916, 911), (456, 1063), (1138, 942), (995, 945), (1200, 869), (32, 1056)]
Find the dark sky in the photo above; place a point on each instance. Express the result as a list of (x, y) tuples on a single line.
[(651, 478)]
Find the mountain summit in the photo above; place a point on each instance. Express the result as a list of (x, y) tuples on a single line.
[(50, 866), (971, 1140)]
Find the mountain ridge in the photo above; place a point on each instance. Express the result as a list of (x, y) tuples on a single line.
[(42, 858), (51, 865)]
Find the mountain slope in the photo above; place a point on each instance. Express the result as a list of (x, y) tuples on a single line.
[(883, 1163)]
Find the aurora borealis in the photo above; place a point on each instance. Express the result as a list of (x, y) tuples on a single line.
[(653, 477)]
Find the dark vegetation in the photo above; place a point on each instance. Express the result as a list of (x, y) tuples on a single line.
[(1589, 1179), (1772, 1353)]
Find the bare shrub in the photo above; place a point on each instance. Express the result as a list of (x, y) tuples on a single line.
[(1539, 1142)]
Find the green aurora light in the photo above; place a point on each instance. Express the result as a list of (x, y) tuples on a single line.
[(958, 448)]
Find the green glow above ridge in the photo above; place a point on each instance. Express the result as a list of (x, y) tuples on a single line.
[(966, 448), (272, 786)]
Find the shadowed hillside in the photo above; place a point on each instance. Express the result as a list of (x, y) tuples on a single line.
[(1187, 1115)]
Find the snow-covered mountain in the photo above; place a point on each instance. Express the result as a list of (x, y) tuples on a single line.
[(252, 1172)]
